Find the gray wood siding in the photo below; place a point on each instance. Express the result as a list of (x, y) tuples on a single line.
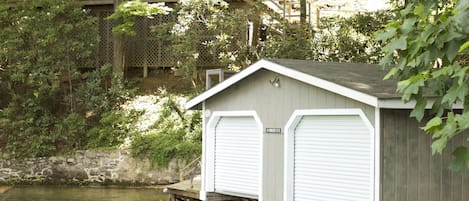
[(274, 107), (409, 172)]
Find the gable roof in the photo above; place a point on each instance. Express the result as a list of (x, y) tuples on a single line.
[(365, 78), (360, 82)]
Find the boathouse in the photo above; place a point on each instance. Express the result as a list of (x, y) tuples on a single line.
[(298, 130)]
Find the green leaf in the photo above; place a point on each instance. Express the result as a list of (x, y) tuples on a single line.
[(391, 73), (461, 160), (448, 129), (410, 86), (419, 9), (454, 93), (407, 9), (439, 145), (464, 46), (387, 60), (385, 35), (463, 121), (434, 122), (397, 44), (444, 71), (459, 73), (419, 110), (408, 25), (452, 50)]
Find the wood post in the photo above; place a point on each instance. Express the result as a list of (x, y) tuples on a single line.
[(118, 50), (302, 12)]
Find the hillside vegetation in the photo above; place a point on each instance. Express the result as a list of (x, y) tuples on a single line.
[(51, 105)]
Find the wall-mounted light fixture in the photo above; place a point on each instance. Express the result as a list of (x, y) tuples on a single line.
[(275, 82)]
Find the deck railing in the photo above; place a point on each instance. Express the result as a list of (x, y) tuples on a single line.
[(190, 170)]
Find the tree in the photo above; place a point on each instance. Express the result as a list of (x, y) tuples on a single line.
[(338, 39), (427, 52), (125, 14), (208, 30), (303, 12), (43, 44)]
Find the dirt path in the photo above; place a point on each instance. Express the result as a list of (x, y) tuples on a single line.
[(4, 189)]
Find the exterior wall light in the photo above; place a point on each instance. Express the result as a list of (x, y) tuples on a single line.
[(275, 82)]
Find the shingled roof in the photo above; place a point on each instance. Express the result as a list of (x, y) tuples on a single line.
[(366, 78)]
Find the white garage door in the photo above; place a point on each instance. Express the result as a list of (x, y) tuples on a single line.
[(237, 160), (332, 159)]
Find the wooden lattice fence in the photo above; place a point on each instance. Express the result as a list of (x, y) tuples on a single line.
[(144, 49)]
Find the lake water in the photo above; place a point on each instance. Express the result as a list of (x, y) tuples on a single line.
[(52, 193)]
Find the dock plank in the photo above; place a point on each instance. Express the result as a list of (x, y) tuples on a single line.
[(4, 189), (185, 189)]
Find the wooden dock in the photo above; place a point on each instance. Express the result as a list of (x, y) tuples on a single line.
[(187, 190), (190, 191)]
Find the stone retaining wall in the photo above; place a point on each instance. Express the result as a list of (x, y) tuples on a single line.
[(87, 167)]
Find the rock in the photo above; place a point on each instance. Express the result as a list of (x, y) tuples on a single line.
[(70, 161), (68, 173), (104, 167)]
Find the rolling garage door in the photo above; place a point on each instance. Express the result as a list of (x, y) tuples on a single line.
[(332, 159), (237, 156)]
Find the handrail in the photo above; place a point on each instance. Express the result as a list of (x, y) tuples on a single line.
[(183, 171)]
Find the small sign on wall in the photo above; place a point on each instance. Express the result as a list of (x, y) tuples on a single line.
[(273, 130)]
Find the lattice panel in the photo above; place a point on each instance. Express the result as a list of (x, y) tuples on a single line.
[(106, 39), (206, 57), (145, 48), (104, 51)]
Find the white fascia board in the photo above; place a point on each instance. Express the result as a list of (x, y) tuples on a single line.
[(399, 104), (309, 79), (225, 84), (323, 84)]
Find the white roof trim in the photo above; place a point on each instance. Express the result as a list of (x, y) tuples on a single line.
[(399, 104), (323, 84), (312, 80), (223, 85)]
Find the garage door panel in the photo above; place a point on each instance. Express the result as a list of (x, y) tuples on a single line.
[(237, 149), (331, 159)]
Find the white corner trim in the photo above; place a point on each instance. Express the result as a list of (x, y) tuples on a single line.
[(209, 144), (203, 192), (309, 79), (202, 195), (377, 153), (290, 127)]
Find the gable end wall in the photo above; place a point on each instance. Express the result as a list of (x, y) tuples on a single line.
[(274, 107)]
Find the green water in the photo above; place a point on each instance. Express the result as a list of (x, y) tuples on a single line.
[(50, 193)]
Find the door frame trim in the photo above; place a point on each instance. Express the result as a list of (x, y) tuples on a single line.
[(209, 156)]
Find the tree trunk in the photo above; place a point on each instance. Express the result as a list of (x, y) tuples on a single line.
[(303, 11), (118, 52)]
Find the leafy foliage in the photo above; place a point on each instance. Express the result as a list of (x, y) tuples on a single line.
[(49, 105), (43, 42), (129, 10), (427, 47), (207, 30), (176, 133), (213, 30), (338, 39)]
